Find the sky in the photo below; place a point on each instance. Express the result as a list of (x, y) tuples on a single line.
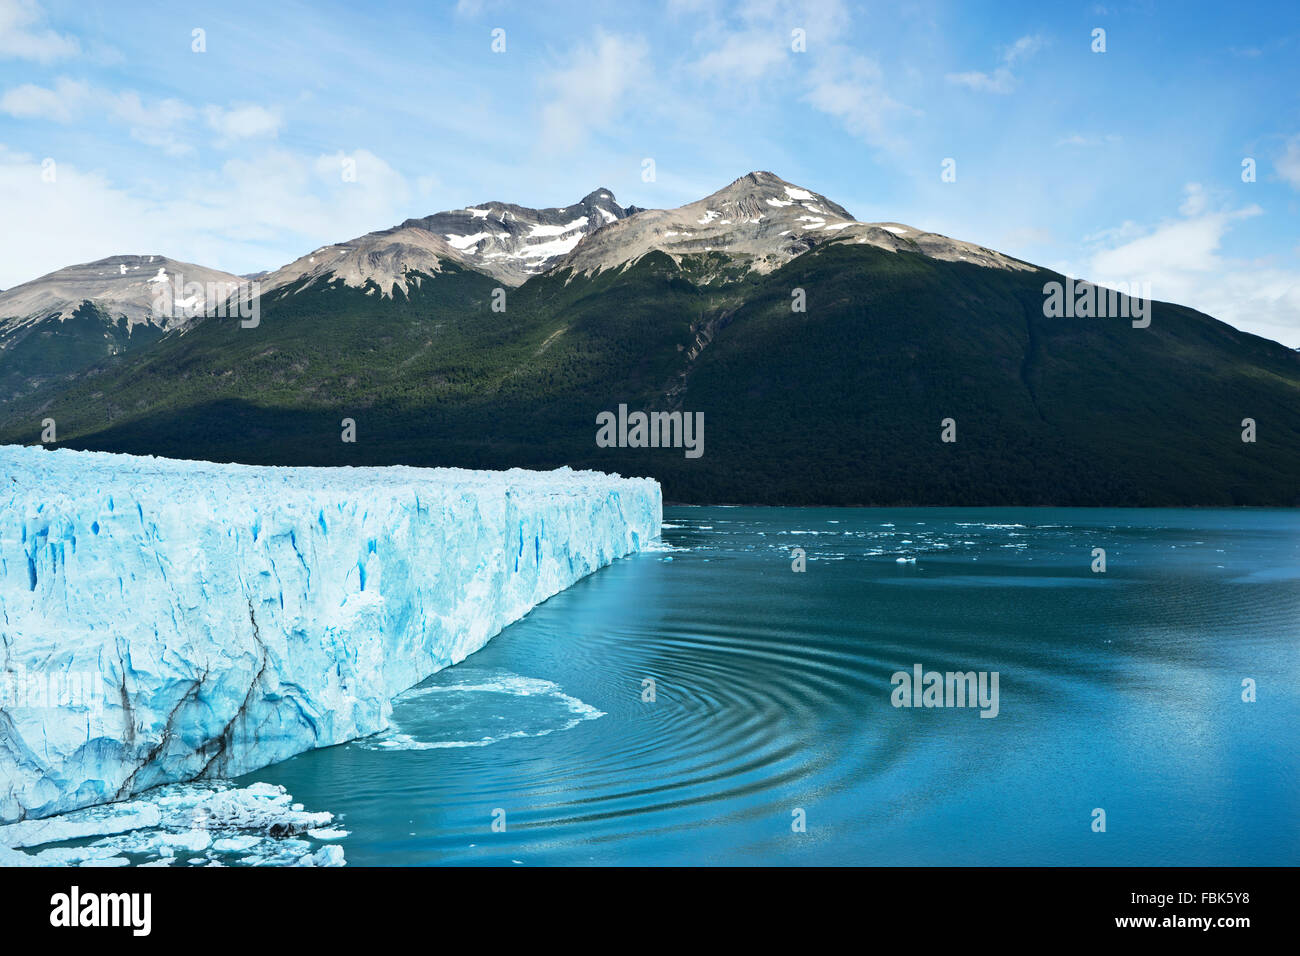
[(242, 135)]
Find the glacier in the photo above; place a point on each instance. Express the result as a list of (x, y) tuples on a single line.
[(169, 621)]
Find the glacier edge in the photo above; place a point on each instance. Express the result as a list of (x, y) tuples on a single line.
[(165, 621)]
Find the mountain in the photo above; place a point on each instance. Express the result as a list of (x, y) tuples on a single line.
[(52, 327), (502, 240), (760, 222), (843, 402)]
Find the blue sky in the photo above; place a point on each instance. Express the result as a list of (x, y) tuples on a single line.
[(1118, 166)]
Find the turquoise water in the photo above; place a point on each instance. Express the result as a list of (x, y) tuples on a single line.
[(1119, 690)]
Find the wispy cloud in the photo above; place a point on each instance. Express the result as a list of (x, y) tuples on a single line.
[(590, 91), (24, 36), (852, 90), (744, 56), (157, 123), (253, 212), (1182, 258), (1002, 80), (1288, 164), (62, 103), (1078, 139), (244, 121), (164, 123), (748, 43)]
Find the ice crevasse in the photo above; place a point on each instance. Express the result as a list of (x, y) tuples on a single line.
[(165, 620)]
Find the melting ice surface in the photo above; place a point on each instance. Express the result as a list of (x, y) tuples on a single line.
[(476, 708), (178, 825), (166, 621)]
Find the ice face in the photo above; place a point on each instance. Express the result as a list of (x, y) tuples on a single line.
[(166, 621)]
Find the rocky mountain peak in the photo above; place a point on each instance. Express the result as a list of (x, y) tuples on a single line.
[(765, 221), (127, 286), (504, 240)]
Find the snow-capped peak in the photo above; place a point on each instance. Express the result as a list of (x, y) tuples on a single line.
[(765, 221), (504, 240)]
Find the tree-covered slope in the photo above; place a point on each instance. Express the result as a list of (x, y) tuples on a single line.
[(841, 403)]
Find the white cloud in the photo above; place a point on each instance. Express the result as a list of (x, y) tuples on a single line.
[(1288, 165), (162, 123), (280, 195), (590, 91), (760, 41), (23, 35), (1002, 80), (244, 121), (750, 42), (155, 123), (45, 242), (61, 104), (1195, 200), (1077, 139), (744, 57), (1022, 49), (254, 213), (852, 91), (1183, 261)]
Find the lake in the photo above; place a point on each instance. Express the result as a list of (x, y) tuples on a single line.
[(772, 738)]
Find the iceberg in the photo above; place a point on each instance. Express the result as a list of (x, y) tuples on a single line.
[(169, 621)]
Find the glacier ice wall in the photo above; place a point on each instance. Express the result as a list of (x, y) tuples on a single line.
[(165, 621)]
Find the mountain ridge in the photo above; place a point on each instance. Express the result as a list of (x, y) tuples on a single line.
[(828, 365), (512, 243), (122, 285)]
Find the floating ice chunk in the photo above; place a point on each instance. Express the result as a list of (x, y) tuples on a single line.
[(328, 856), (330, 833), (186, 823), (238, 844)]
